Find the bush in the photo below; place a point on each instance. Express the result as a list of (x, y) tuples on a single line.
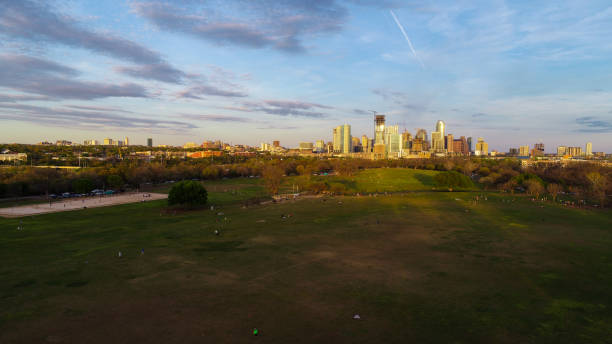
[(82, 185), (187, 192), (452, 179), (114, 181)]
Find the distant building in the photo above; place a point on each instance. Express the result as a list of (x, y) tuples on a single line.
[(460, 146), (13, 157), (91, 142), (356, 145), (482, 148), (561, 150), (365, 144), (393, 141), (538, 150), (437, 142), (320, 146), (149, 142), (524, 151), (406, 141), (379, 129), (513, 152), (342, 139), (449, 143), (126, 142), (190, 145), (589, 149), (306, 146), (276, 144), (469, 143)]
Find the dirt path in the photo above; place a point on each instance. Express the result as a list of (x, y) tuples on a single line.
[(78, 203)]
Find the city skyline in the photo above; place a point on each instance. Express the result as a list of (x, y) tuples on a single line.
[(248, 74)]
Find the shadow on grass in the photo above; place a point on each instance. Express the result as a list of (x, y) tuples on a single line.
[(425, 179), (222, 246)]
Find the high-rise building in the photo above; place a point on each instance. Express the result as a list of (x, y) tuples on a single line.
[(406, 140), (460, 146), (469, 143), (365, 144), (574, 151), (441, 127), (320, 146), (437, 143), (127, 141), (438, 137), (356, 144), (149, 142), (524, 151), (276, 144), (306, 146), (449, 143), (108, 142), (589, 149), (561, 150), (347, 146), (393, 141), (482, 148), (379, 129), (539, 147), (342, 139)]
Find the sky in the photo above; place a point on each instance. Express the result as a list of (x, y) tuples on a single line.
[(246, 72)]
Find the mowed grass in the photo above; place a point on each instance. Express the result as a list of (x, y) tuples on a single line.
[(425, 267), (377, 180)]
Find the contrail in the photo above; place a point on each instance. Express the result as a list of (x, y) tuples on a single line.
[(406, 37)]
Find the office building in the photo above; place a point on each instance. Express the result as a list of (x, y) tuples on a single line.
[(460, 146), (149, 142), (524, 151), (365, 144), (379, 129), (482, 148), (127, 141), (469, 143), (342, 139), (561, 150), (406, 140), (449, 143), (393, 141), (589, 149)]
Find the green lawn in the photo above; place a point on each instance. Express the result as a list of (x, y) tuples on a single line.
[(423, 267), (376, 180)]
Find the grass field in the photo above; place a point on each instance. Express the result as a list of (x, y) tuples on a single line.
[(425, 267)]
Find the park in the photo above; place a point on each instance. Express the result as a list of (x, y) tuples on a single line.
[(387, 258)]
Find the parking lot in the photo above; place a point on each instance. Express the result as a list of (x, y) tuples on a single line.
[(67, 204)]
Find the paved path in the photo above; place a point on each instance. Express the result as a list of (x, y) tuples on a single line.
[(78, 203)]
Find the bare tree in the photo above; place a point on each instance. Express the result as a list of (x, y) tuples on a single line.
[(554, 190), (598, 186), (272, 176), (468, 167), (534, 188)]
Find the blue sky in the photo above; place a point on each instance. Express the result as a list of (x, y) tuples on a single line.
[(513, 72)]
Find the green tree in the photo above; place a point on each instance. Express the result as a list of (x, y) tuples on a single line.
[(82, 185), (452, 179), (187, 192), (114, 181)]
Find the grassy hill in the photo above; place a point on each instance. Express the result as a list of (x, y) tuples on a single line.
[(422, 267)]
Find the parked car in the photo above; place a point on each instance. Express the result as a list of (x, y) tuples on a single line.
[(54, 196), (109, 192), (66, 195)]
